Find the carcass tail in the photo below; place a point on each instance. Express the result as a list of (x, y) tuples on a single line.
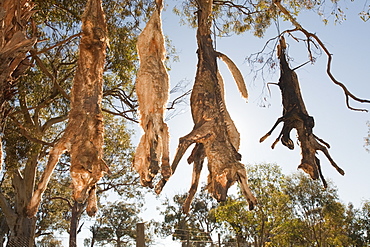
[(238, 77)]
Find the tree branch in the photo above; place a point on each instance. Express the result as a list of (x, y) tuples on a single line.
[(7, 210), (309, 35), (56, 45), (63, 199)]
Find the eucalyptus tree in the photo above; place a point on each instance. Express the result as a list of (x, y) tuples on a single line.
[(263, 224), (196, 226), (116, 225), (319, 211), (41, 98), (365, 221)]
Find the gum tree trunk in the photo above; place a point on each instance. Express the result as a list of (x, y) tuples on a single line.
[(14, 46)]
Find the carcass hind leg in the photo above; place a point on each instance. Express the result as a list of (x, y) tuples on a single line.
[(197, 157), (242, 179), (54, 156), (332, 162), (184, 143)]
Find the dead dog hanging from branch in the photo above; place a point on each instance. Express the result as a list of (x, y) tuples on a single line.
[(214, 133), (152, 89), (83, 137), (295, 116)]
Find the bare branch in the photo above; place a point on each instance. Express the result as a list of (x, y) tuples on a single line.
[(56, 45), (179, 98), (309, 35), (63, 199), (23, 131)]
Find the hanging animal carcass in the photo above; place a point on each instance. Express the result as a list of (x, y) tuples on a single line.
[(295, 116), (214, 133), (83, 137), (152, 89)]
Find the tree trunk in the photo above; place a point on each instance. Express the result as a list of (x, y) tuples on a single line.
[(77, 210), (14, 45), (22, 233), (22, 228), (4, 229)]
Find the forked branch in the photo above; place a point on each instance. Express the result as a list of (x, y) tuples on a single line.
[(310, 36)]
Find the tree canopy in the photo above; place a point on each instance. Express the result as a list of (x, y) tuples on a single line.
[(41, 60)]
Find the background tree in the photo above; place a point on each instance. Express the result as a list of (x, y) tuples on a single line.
[(319, 209), (196, 226), (116, 224), (263, 224), (364, 220)]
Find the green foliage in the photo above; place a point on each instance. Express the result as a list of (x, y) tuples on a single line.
[(116, 224), (263, 223), (240, 16), (292, 211), (49, 241), (197, 225)]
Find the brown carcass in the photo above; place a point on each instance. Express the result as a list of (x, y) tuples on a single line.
[(83, 136), (152, 89), (214, 133), (295, 116)]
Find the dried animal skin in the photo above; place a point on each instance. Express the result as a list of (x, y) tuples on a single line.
[(296, 116), (214, 133), (238, 77), (152, 88), (198, 154), (83, 137)]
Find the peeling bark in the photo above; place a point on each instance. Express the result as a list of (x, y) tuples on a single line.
[(295, 116), (152, 88), (214, 132), (14, 46), (83, 137)]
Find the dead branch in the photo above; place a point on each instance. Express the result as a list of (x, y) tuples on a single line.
[(347, 93)]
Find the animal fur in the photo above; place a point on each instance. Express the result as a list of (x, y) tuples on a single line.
[(214, 134), (295, 116), (152, 88), (83, 137)]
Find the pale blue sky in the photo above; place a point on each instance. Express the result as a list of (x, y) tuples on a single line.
[(342, 128)]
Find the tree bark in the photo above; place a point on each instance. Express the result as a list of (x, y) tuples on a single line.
[(77, 211), (14, 46)]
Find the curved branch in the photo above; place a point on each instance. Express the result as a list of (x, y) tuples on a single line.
[(23, 131), (309, 35), (53, 121), (63, 199)]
